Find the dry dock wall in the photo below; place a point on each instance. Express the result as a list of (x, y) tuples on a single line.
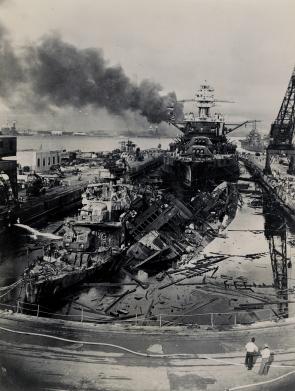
[(50, 206), (267, 182), (40, 208)]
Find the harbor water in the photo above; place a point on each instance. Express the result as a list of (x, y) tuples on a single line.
[(86, 143)]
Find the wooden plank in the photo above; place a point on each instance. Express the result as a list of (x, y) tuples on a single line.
[(144, 285), (90, 309), (151, 257), (107, 284), (119, 298)]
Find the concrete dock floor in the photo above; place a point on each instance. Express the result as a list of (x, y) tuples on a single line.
[(173, 358)]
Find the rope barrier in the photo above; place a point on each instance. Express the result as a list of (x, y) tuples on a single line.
[(148, 355), (260, 383), (3, 288), (118, 347), (6, 293)]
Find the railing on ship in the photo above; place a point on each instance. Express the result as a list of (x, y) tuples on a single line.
[(210, 319)]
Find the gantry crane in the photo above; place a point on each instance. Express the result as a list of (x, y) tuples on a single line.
[(282, 130), (275, 231)]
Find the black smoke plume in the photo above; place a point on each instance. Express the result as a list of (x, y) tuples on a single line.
[(64, 76), (11, 71)]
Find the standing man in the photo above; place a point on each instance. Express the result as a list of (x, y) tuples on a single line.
[(251, 351), (265, 360)]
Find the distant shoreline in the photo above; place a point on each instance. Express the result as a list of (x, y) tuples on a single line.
[(89, 143), (91, 135)]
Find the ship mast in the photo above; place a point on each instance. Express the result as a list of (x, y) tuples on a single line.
[(204, 99)]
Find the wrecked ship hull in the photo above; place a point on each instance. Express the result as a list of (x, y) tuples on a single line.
[(181, 229), (195, 174), (48, 289)]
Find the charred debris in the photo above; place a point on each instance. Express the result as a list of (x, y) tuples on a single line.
[(126, 227), (128, 223)]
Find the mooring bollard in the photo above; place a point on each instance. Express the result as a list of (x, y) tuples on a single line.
[(38, 310), (136, 318), (235, 319), (160, 321)]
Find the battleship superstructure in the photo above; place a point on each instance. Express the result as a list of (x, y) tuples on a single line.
[(202, 154)]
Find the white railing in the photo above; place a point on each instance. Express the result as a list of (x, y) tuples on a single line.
[(211, 319)]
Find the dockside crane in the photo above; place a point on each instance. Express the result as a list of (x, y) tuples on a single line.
[(275, 231), (282, 130)]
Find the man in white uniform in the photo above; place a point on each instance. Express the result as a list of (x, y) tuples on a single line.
[(265, 360), (251, 351)]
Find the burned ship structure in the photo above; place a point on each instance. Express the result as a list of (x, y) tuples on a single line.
[(152, 230), (90, 241), (65, 265), (172, 229)]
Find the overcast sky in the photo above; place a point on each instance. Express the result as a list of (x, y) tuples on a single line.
[(244, 48)]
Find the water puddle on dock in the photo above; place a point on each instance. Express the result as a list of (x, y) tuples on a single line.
[(253, 276)]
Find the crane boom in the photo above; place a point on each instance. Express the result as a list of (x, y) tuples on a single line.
[(282, 129), (237, 126)]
